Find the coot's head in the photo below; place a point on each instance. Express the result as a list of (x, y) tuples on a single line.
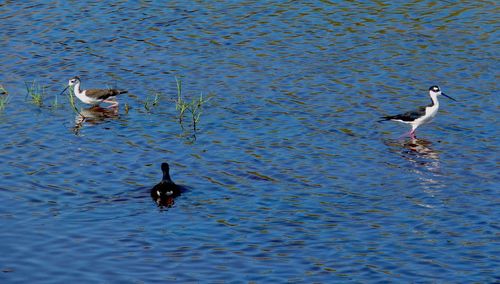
[(165, 168)]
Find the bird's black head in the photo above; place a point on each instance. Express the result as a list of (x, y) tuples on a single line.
[(73, 80), (165, 168), (434, 89), (166, 172)]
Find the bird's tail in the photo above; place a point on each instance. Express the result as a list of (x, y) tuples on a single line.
[(122, 92), (385, 118)]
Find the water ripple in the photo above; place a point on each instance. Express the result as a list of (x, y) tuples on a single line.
[(288, 178)]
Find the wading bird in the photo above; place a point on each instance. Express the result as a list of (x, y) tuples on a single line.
[(422, 115), (94, 96)]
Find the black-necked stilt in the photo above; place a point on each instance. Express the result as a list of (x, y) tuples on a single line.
[(94, 96), (422, 115), (166, 189)]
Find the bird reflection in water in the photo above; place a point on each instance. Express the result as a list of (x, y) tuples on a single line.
[(163, 202), (421, 149), (425, 163), (93, 116)]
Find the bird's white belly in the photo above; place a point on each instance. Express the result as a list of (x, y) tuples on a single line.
[(430, 113), (82, 96)]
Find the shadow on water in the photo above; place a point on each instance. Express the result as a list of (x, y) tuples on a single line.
[(93, 116)]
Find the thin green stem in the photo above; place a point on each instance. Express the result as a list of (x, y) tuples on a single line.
[(71, 97), (195, 106), (36, 92)]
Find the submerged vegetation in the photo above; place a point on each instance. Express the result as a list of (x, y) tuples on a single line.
[(36, 92), (194, 107)]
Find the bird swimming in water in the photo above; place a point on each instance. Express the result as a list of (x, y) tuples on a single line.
[(166, 189), (422, 115), (94, 96)]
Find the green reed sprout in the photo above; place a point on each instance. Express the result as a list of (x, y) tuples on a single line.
[(156, 99), (180, 104), (4, 98), (195, 106), (71, 98), (152, 101), (127, 108), (36, 92), (55, 103), (3, 91)]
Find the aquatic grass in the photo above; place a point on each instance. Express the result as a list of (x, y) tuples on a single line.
[(151, 101), (36, 92), (180, 104), (71, 97), (55, 103), (81, 118), (3, 91), (127, 108), (4, 98), (156, 99), (195, 106)]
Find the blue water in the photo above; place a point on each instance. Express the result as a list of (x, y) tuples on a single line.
[(288, 176)]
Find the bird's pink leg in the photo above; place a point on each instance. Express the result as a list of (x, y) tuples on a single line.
[(412, 134), (113, 103)]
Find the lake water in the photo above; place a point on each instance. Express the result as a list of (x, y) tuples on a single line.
[(288, 177)]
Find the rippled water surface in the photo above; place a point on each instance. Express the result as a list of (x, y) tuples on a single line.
[(288, 177)]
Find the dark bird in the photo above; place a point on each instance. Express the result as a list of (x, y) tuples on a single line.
[(166, 189), (422, 115), (94, 96)]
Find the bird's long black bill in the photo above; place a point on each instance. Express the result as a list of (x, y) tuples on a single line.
[(64, 90), (448, 96)]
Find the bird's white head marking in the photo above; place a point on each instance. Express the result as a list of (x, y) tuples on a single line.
[(74, 81)]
